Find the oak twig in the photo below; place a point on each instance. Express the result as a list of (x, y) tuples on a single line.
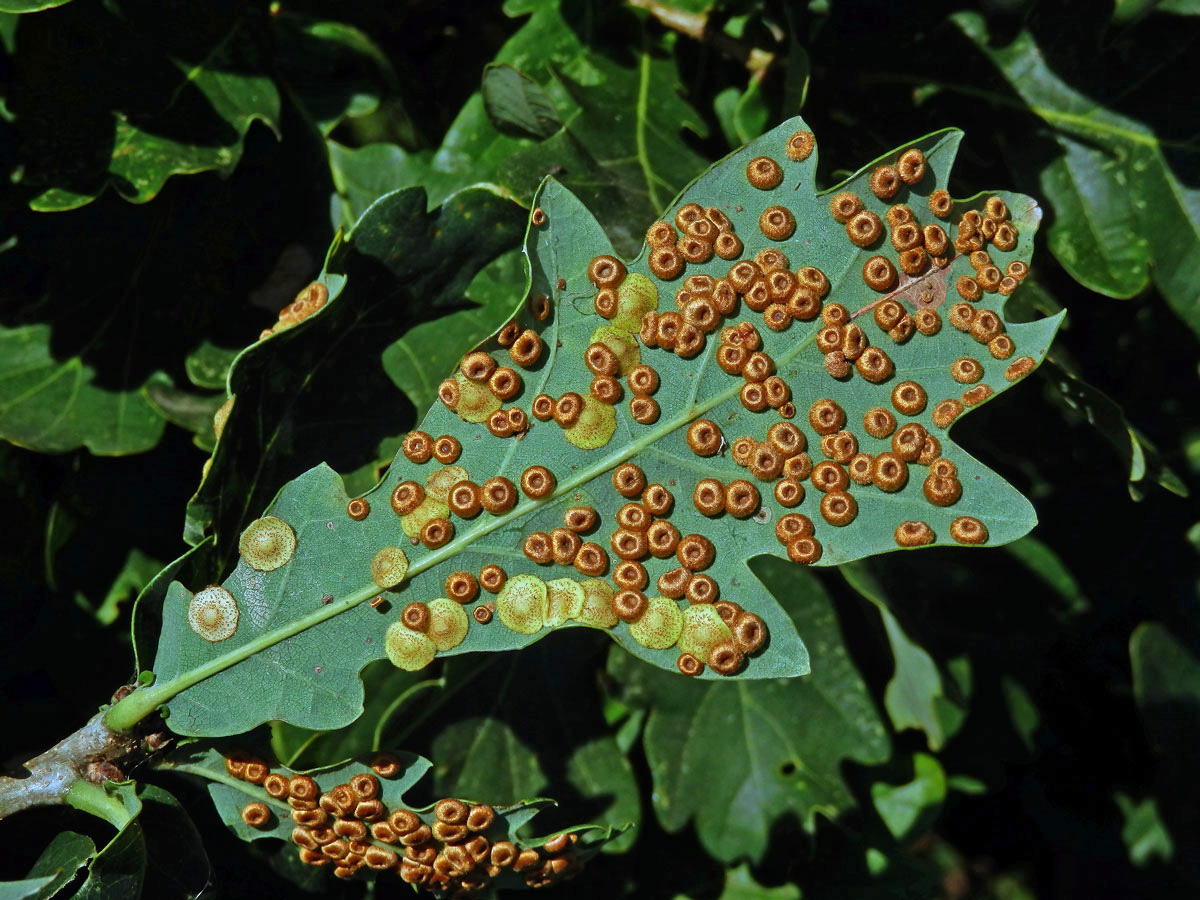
[(90, 755)]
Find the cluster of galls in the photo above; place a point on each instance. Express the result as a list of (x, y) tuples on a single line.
[(418, 447), (847, 348), (527, 603), (605, 365), (781, 455), (565, 547), (702, 233), (764, 284), (916, 247), (701, 640), (719, 636), (976, 230), (727, 656), (740, 353), (350, 828), (478, 390), (781, 458), (424, 510), (307, 302), (701, 304)]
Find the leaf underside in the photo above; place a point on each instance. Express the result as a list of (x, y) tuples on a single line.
[(304, 632)]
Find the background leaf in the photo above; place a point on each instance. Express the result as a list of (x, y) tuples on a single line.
[(334, 70), (203, 85), (906, 808), (1043, 562), (39, 410), (738, 757), (54, 869), (1166, 684), (1137, 453), (281, 385), (25, 6), (497, 741), (916, 696), (87, 337), (25, 888), (591, 154), (135, 574), (364, 174), (1144, 833), (1122, 202), (516, 104), (740, 885)]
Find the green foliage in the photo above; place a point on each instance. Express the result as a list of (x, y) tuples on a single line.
[(56, 867), (1144, 833), (195, 76), (740, 885), (916, 695), (1013, 723), (17, 6), (1124, 213), (153, 834), (502, 749), (1166, 687), (89, 351), (517, 105), (908, 808), (1136, 451)]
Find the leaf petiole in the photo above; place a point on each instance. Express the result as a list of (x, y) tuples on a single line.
[(94, 800)]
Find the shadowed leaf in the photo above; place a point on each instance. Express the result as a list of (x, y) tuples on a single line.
[(736, 758), (1144, 833), (54, 869), (196, 93), (1138, 454), (287, 386), (916, 695), (516, 103), (908, 808)]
